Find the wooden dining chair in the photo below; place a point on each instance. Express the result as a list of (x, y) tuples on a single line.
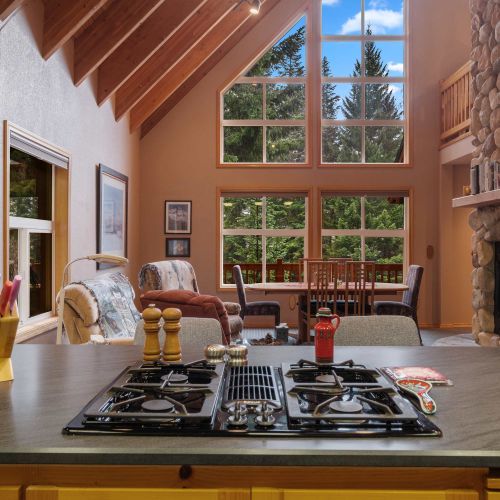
[(360, 288), (322, 279)]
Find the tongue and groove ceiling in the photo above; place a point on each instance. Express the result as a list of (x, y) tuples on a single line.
[(148, 54)]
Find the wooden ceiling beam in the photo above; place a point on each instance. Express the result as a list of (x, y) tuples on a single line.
[(149, 37), (204, 69), (207, 18), (62, 19), (182, 71), (7, 7), (116, 22)]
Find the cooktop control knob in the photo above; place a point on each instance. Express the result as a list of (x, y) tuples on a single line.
[(238, 406), (264, 416), (237, 420)]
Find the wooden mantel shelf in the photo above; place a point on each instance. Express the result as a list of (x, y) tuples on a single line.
[(477, 200)]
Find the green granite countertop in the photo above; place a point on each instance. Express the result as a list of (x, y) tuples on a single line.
[(53, 383)]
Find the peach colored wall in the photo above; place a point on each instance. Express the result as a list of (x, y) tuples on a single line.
[(40, 96), (456, 262), (178, 155)]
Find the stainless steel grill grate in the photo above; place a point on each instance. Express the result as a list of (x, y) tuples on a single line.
[(251, 385)]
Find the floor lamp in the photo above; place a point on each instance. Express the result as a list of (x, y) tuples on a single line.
[(98, 257)]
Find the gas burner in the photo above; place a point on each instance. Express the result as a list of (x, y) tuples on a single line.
[(175, 378), (346, 406), (158, 405), (328, 379)]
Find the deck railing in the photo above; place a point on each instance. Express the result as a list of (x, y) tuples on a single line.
[(286, 271), (456, 104)]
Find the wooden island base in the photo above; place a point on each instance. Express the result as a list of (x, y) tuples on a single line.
[(107, 482)]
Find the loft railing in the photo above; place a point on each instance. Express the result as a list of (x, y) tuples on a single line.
[(456, 105), (286, 271)]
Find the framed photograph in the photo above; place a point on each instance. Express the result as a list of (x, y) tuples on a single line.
[(178, 217), (178, 247), (112, 213)]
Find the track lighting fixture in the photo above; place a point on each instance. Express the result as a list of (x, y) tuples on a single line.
[(254, 6)]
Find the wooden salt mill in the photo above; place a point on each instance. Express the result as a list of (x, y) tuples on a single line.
[(151, 316), (171, 325)]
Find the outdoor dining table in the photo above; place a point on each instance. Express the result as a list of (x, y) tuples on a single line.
[(299, 288)]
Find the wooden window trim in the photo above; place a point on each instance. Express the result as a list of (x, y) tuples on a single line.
[(307, 122), (61, 207), (405, 80), (222, 191), (373, 191)]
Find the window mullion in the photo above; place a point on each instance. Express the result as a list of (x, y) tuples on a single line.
[(363, 226), (24, 271), (264, 128)]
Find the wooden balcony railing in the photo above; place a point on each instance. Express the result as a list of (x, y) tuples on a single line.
[(456, 104), (286, 271)]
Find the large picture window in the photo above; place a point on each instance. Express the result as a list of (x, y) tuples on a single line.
[(266, 234), (357, 76), (363, 74), (264, 110), (367, 226)]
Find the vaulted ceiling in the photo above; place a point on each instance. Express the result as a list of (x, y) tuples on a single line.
[(148, 54)]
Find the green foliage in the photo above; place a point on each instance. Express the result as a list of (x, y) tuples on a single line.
[(383, 144), (284, 101)]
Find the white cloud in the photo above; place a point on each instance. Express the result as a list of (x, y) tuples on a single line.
[(379, 20), (395, 67), (394, 89), (330, 2), (377, 4)]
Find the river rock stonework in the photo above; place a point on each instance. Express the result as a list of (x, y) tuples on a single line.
[(485, 127)]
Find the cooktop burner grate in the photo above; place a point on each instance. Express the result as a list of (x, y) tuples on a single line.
[(251, 385)]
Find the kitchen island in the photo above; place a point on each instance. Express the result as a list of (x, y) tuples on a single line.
[(53, 383)]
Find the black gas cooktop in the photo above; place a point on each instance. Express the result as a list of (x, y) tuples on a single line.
[(299, 399)]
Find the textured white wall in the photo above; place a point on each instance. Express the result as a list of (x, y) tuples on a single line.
[(40, 96)]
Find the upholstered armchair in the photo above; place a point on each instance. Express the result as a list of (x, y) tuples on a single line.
[(193, 304), (177, 275), (100, 311)]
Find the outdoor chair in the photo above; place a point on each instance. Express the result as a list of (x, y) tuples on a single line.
[(257, 308), (409, 302)]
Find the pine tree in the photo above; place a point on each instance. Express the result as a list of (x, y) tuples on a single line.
[(285, 144), (382, 144)]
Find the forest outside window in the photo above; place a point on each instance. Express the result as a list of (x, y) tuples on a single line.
[(264, 111), (363, 69), (367, 226), (266, 234), (31, 232)]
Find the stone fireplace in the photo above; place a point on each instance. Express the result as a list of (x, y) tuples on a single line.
[(485, 121), (486, 225)]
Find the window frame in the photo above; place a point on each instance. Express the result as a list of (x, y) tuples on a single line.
[(306, 122), (57, 226), (362, 232), (306, 233), (364, 80)]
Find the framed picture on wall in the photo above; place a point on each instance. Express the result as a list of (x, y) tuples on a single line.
[(178, 217), (178, 247), (112, 213)]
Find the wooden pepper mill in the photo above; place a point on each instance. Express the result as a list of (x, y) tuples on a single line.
[(151, 316), (172, 325)]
